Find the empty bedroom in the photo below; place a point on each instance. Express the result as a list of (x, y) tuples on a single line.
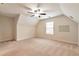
[(39, 29)]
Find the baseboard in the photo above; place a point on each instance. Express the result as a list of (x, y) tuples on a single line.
[(7, 41), (74, 43), (25, 39)]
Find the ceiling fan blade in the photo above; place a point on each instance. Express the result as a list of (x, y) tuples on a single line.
[(30, 12), (42, 13), (32, 15)]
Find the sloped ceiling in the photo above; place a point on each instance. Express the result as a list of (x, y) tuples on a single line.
[(11, 9), (52, 9), (71, 10)]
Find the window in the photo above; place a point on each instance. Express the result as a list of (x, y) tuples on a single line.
[(64, 28), (49, 28)]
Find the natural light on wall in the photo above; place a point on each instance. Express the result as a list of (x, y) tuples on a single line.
[(49, 28)]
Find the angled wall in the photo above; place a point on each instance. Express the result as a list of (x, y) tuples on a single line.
[(6, 28), (25, 27), (71, 36)]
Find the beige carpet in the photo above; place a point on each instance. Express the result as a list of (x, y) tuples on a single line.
[(38, 47)]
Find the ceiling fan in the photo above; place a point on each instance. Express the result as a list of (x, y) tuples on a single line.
[(37, 12)]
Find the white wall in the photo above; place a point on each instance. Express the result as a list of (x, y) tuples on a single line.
[(6, 28), (70, 37), (25, 27)]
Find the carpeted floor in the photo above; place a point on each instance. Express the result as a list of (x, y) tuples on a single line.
[(38, 47)]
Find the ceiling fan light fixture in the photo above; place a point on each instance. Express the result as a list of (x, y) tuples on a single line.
[(36, 14), (39, 16)]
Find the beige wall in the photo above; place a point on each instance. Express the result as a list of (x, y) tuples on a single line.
[(78, 34), (25, 29), (20, 28), (17, 28), (6, 28), (15, 20), (70, 37)]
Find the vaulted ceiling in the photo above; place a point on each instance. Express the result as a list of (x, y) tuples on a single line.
[(51, 9), (71, 10)]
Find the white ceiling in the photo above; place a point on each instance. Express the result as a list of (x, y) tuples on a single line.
[(12, 9), (51, 9)]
